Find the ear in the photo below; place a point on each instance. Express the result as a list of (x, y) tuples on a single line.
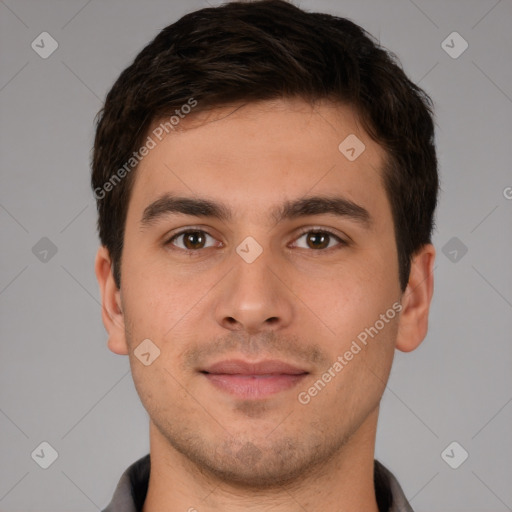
[(112, 314), (416, 300)]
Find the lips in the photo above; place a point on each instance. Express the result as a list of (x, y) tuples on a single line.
[(253, 380), (239, 367)]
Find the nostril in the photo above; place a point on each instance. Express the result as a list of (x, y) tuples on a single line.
[(232, 323)]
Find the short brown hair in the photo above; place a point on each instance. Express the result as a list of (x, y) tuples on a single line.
[(262, 50)]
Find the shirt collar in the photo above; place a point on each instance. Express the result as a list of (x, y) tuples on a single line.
[(132, 488)]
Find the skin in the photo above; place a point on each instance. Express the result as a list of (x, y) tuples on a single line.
[(298, 303)]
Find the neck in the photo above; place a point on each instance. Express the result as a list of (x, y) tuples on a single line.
[(342, 483)]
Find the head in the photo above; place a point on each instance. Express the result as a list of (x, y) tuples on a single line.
[(231, 124)]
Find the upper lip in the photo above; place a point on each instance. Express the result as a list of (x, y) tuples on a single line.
[(240, 367)]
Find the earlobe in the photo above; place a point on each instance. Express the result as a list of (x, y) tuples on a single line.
[(416, 300), (112, 314)]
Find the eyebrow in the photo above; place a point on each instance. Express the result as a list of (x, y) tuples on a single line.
[(198, 207), (320, 205)]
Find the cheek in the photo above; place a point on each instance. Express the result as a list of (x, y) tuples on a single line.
[(156, 299), (348, 297), (160, 390)]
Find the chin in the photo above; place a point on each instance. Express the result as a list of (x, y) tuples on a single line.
[(257, 466)]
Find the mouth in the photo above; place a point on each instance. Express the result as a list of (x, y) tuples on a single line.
[(253, 380)]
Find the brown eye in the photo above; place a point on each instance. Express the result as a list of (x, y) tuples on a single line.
[(316, 239), (192, 240)]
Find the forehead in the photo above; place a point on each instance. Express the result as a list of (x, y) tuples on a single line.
[(256, 155)]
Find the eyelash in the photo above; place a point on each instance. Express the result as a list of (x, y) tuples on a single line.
[(341, 242)]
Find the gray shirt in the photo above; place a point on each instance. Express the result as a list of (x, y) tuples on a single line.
[(131, 490)]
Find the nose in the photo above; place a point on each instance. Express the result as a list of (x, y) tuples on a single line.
[(253, 298)]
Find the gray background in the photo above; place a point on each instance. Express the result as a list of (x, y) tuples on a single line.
[(58, 381)]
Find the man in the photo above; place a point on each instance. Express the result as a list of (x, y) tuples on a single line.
[(266, 180)]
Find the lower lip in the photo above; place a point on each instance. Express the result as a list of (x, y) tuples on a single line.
[(254, 386)]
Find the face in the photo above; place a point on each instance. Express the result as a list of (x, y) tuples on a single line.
[(262, 264)]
